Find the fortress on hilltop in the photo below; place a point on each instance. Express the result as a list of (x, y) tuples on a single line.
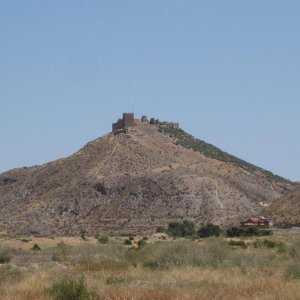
[(128, 120)]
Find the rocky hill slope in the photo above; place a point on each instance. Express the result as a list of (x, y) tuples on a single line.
[(133, 182), (286, 210)]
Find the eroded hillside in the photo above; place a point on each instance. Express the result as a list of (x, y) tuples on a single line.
[(286, 210), (130, 183)]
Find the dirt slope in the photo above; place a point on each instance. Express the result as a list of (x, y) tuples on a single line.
[(131, 183), (286, 210)]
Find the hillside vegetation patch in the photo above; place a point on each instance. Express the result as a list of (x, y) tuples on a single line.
[(188, 141)]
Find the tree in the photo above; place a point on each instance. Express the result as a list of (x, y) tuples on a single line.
[(184, 229), (247, 231), (209, 230)]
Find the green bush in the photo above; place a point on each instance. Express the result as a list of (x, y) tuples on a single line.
[(234, 231), (209, 230), (5, 255), (267, 244), (69, 289), (36, 247), (296, 275), (160, 229), (142, 243), (292, 271), (103, 239), (265, 232), (184, 229), (247, 231), (128, 242)]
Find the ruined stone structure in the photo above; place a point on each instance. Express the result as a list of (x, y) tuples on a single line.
[(169, 124), (144, 119), (127, 121)]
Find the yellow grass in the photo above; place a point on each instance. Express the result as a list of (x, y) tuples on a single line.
[(106, 280), (190, 283), (44, 243)]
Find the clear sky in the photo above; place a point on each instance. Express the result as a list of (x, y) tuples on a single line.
[(228, 71)]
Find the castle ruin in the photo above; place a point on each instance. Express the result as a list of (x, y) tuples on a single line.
[(128, 120), (125, 122)]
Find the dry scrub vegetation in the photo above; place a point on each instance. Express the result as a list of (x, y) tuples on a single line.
[(172, 269)]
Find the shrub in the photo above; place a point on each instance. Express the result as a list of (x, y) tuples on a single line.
[(209, 230), (154, 265), (5, 255), (142, 243), (292, 271), (114, 280), (241, 244), (247, 231), (60, 252), (128, 242), (160, 229), (267, 244), (82, 234), (103, 239), (264, 232), (25, 240), (69, 289), (36, 247), (131, 238), (296, 275), (184, 229), (234, 231)]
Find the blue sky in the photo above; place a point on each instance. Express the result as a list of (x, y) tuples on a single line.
[(228, 71)]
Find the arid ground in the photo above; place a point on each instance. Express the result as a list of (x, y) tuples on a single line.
[(158, 268)]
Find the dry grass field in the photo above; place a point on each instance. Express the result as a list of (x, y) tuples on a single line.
[(73, 268)]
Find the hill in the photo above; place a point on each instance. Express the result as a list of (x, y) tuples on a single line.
[(132, 182)]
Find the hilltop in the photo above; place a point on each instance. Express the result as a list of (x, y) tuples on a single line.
[(131, 180)]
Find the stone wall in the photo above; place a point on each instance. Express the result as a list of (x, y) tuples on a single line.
[(127, 121)]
